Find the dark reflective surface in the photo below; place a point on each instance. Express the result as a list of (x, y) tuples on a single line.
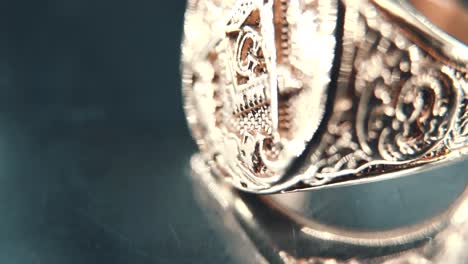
[(94, 150), (106, 192), (383, 205), (284, 236), (99, 193)]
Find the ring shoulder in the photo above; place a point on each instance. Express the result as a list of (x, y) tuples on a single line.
[(399, 102)]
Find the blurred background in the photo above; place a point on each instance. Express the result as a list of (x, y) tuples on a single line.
[(94, 147), (75, 61), (91, 124)]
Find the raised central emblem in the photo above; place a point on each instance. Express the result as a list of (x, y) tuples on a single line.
[(250, 85), (256, 94)]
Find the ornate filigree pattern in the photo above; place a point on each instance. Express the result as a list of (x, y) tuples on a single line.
[(395, 103), (417, 114), (459, 134)]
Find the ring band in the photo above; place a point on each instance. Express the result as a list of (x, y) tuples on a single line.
[(285, 95), (283, 234)]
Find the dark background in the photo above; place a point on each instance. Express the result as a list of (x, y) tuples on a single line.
[(80, 60), (94, 148)]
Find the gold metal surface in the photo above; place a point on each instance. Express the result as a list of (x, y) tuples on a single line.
[(286, 95)]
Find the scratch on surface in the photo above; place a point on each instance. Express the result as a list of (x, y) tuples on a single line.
[(294, 239), (175, 235), (109, 230)]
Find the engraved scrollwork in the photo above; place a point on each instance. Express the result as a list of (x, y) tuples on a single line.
[(458, 138), (394, 102), (345, 85), (406, 123), (406, 102)]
